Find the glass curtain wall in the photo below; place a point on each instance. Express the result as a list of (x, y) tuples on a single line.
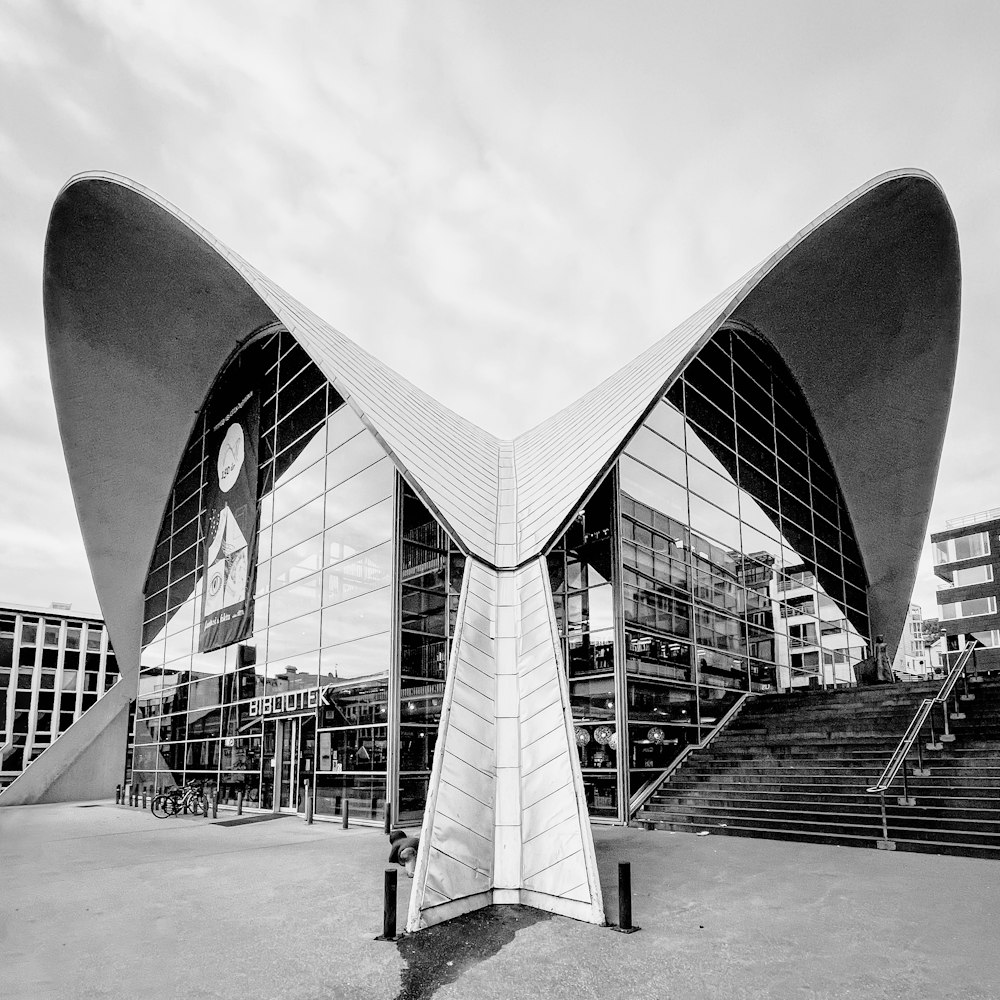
[(322, 609), (430, 574), (353, 575), (581, 567), (734, 567)]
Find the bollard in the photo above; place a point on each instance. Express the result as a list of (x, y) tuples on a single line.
[(309, 805), (143, 796), (345, 814), (239, 804), (388, 907), (215, 805), (388, 818), (625, 899), (204, 805), (118, 794)]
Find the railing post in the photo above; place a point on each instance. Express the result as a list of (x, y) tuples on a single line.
[(885, 844), (933, 745), (906, 800), (947, 736)]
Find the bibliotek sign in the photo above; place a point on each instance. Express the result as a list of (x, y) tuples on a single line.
[(292, 701)]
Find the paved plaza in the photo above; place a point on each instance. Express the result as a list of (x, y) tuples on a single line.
[(102, 901)]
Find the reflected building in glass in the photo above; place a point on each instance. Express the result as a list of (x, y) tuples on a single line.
[(706, 524)]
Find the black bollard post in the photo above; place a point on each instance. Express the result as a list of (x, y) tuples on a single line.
[(388, 907), (309, 804), (239, 804), (388, 818), (118, 795), (345, 814), (204, 805), (215, 805), (625, 899), (143, 796)]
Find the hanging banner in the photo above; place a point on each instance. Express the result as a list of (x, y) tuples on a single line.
[(230, 528)]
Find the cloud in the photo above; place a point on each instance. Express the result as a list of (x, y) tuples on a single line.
[(506, 202)]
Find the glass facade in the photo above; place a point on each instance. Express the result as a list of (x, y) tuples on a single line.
[(715, 557), (310, 702), (52, 669)]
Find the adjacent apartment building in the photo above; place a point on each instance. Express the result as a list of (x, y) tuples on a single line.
[(54, 665), (967, 560)]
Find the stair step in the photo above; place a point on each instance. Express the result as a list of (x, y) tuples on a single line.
[(841, 840), (913, 817)]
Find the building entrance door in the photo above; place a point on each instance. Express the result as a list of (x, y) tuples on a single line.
[(306, 761), (294, 742), (286, 744)]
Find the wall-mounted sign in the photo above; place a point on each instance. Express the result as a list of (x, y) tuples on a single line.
[(291, 702)]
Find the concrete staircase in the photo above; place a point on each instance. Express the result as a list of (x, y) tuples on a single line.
[(796, 766)]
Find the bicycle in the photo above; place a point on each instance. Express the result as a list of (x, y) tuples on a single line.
[(183, 798)]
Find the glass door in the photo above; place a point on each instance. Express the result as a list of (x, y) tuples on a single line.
[(288, 744), (307, 756), (268, 761)]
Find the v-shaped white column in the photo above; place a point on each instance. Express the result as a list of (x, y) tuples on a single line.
[(506, 818)]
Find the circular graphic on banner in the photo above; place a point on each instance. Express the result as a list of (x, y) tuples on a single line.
[(231, 453)]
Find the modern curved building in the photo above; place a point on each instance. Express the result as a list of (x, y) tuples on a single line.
[(321, 582)]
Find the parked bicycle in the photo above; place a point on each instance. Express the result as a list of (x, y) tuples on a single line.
[(185, 798)]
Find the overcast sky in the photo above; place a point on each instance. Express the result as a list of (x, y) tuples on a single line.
[(505, 201)]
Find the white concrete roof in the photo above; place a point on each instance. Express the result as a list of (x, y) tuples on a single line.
[(142, 308)]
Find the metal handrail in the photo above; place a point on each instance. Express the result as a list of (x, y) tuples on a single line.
[(926, 707), (645, 793), (897, 762)]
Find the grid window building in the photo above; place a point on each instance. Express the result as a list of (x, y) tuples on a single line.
[(967, 562), (53, 667)]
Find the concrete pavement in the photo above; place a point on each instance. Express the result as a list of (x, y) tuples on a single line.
[(109, 902)]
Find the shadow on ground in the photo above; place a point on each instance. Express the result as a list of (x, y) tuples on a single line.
[(440, 955)]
